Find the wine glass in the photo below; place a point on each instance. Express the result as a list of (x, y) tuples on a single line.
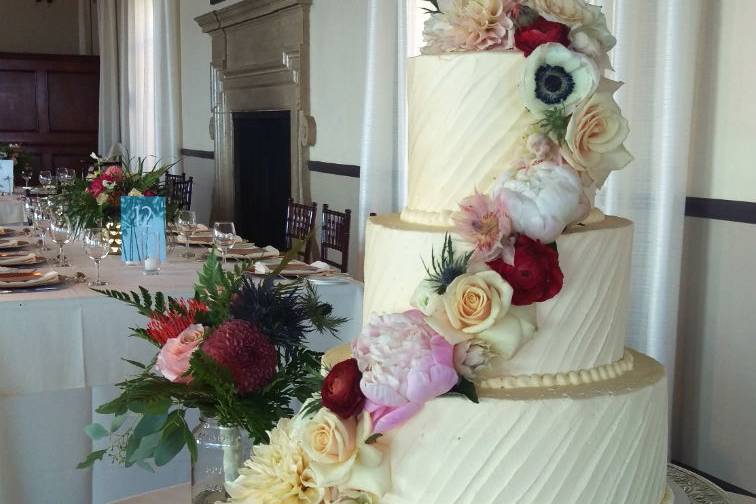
[(186, 222), (224, 236), (26, 174), (41, 222), (65, 176), (96, 246), (46, 179), (60, 229)]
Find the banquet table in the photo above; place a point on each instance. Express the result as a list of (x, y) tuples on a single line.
[(61, 350), (11, 210)]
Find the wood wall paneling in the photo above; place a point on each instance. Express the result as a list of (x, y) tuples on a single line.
[(49, 104)]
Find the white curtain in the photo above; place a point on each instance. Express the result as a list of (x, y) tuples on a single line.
[(140, 91), (656, 57), (382, 167)]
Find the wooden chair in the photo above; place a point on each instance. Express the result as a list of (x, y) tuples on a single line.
[(179, 193), (334, 235), (300, 221)]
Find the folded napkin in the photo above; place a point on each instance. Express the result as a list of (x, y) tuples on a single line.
[(293, 268), (251, 251), (51, 277), (8, 243), (19, 259)]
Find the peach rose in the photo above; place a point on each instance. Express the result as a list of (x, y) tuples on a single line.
[(328, 439), (595, 136), (173, 359), (473, 301)]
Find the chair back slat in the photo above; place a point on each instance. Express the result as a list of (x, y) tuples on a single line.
[(300, 221), (334, 236), (179, 191)]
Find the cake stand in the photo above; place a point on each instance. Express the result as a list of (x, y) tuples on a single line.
[(690, 488)]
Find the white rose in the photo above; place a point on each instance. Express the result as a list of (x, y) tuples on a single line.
[(541, 200), (135, 192), (474, 301), (556, 77), (594, 40), (570, 12), (425, 298), (595, 136), (340, 456)]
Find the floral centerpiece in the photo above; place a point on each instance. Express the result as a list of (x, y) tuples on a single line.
[(16, 153), (236, 351), (96, 200)]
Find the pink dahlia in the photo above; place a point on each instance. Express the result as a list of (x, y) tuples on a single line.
[(404, 364), (248, 354), (484, 222), (164, 326)]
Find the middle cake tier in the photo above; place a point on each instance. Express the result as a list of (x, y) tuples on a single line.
[(582, 328)]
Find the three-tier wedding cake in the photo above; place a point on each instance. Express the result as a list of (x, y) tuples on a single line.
[(492, 367)]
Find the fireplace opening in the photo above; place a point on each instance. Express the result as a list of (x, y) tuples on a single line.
[(262, 174)]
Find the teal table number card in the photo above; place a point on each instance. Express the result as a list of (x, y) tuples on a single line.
[(6, 176), (142, 227)]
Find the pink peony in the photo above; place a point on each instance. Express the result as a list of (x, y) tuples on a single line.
[(404, 363), (173, 359), (484, 222), (114, 173), (95, 187)]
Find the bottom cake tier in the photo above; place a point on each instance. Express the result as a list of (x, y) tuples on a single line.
[(598, 443)]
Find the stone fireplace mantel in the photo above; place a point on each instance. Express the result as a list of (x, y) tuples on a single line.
[(260, 61)]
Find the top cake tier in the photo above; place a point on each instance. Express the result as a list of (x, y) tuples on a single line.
[(466, 122)]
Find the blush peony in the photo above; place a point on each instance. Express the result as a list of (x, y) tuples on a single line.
[(535, 275), (341, 389), (404, 363), (173, 359)]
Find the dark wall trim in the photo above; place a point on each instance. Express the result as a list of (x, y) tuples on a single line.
[(334, 168), (727, 210), (204, 154)]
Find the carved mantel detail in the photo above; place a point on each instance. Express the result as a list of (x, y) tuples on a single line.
[(260, 61)]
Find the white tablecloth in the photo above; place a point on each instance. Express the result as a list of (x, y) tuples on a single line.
[(11, 210), (59, 353)]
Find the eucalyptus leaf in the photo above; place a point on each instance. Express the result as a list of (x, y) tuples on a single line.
[(91, 459), (145, 448), (117, 422), (171, 443), (95, 431), (149, 424)]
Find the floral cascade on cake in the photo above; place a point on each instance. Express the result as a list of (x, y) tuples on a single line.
[(476, 307)]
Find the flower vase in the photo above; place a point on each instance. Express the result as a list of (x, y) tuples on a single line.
[(219, 457), (114, 236)]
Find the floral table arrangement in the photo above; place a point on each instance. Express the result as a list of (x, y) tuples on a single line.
[(96, 200), (236, 351), (15, 152)]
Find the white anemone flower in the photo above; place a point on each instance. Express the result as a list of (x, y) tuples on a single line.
[(557, 77), (541, 200)]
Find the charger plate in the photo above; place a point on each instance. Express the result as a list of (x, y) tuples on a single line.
[(690, 488)]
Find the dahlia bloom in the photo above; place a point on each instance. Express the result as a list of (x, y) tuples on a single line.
[(470, 25), (541, 200), (484, 222), (164, 326), (404, 363)]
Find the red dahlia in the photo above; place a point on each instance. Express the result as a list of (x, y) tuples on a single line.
[(248, 354), (542, 31), (535, 275), (341, 389), (164, 326)]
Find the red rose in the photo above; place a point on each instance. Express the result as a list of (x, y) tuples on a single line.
[(341, 389), (535, 275), (149, 192), (541, 32)]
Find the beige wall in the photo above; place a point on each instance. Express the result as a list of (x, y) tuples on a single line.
[(39, 27), (714, 426)]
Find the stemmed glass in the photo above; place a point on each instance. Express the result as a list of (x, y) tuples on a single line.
[(96, 246), (46, 179), (186, 222), (26, 174), (224, 236), (60, 229), (41, 221), (65, 176)]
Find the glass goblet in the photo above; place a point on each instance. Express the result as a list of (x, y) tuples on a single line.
[(97, 246), (41, 221), (26, 174), (46, 179), (224, 236), (186, 222), (60, 229)]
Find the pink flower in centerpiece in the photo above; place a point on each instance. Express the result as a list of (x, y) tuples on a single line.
[(114, 173), (484, 222), (404, 363), (95, 187), (173, 359)]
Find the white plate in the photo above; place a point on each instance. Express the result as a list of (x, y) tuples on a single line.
[(690, 488), (328, 279)]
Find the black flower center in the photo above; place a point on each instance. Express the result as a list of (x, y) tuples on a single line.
[(553, 84)]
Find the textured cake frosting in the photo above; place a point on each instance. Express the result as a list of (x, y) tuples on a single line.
[(583, 327), (466, 122), (591, 444)]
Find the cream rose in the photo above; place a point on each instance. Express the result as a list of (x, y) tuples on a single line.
[(595, 135), (425, 298), (570, 12), (339, 454), (473, 302)]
